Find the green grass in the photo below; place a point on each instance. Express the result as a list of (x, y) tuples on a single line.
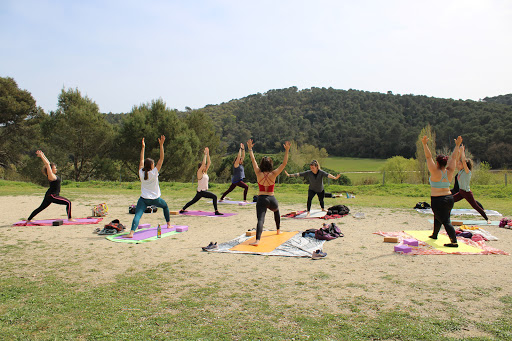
[(350, 164)]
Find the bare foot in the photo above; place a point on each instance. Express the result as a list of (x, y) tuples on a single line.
[(129, 235), (27, 222), (488, 222), (307, 215), (246, 201), (256, 243), (278, 232), (71, 219), (221, 200), (323, 209)]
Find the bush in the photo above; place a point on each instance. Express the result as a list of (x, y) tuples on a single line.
[(482, 175)]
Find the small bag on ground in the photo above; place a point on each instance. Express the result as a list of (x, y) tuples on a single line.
[(100, 210), (113, 227), (338, 209), (328, 232)]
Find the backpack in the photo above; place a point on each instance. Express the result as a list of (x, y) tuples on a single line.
[(328, 232), (422, 205), (149, 209), (113, 227), (338, 209), (100, 210)]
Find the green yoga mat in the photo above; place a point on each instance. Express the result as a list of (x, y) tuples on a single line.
[(473, 222), (442, 239)]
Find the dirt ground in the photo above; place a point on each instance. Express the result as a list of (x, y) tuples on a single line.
[(358, 266)]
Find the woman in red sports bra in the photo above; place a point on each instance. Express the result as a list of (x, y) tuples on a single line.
[(266, 176)]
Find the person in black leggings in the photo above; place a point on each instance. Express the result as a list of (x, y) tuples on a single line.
[(441, 174), (202, 184), (266, 176), (52, 194)]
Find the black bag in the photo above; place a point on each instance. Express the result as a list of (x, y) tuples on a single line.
[(422, 205), (328, 195), (338, 209), (149, 209)]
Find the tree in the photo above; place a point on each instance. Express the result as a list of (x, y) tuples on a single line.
[(420, 154), (399, 169), (19, 119), (150, 120), (79, 132)]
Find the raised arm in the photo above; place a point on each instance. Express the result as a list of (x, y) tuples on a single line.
[(428, 155), (242, 158), (250, 145), (238, 157), (279, 169), (49, 171), (452, 161), (208, 161), (161, 141), (463, 158), (141, 162)]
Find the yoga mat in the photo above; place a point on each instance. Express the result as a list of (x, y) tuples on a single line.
[(207, 214), (234, 202), (442, 239), (144, 235), (462, 211), (49, 222), (269, 241), (473, 222), (313, 214)]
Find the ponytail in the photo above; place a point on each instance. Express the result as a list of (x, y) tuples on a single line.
[(148, 163)]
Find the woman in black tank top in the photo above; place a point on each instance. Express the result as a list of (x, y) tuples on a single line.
[(52, 194)]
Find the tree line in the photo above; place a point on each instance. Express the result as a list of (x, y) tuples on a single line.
[(88, 144)]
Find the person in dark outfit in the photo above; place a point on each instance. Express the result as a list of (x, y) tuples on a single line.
[(266, 176), (52, 194), (441, 174), (238, 174), (316, 184)]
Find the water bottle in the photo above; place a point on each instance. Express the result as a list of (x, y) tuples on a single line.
[(159, 231)]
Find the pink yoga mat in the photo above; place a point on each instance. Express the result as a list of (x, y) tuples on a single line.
[(49, 222), (207, 214)]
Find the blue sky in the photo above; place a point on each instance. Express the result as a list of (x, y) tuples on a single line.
[(194, 53)]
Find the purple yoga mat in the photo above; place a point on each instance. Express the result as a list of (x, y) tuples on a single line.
[(207, 214), (148, 233), (49, 222)]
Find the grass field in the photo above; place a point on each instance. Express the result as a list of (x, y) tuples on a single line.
[(153, 304)]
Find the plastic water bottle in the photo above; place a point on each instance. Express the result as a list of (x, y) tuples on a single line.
[(159, 231)]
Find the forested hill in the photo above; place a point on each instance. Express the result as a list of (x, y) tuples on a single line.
[(503, 99), (362, 124)]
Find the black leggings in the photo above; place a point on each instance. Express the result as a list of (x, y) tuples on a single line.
[(232, 187), (442, 208), (199, 195), (52, 199), (311, 195), (264, 202)]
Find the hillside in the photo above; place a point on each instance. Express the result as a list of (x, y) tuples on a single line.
[(357, 123)]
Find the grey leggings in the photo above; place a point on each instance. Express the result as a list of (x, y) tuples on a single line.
[(266, 202)]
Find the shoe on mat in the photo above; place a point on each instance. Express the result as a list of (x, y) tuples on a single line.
[(318, 254), (211, 246)]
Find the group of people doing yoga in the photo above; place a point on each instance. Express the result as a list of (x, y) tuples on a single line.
[(442, 199), (441, 172)]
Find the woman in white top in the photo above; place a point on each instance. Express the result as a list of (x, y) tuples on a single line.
[(202, 184), (150, 189)]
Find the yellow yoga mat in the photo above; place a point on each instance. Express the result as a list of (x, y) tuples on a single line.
[(442, 239), (268, 242)]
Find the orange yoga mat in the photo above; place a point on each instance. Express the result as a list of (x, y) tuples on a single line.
[(268, 242)]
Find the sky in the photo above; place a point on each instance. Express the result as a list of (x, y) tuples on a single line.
[(193, 53)]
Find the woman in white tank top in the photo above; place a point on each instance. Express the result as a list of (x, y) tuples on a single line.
[(202, 184)]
